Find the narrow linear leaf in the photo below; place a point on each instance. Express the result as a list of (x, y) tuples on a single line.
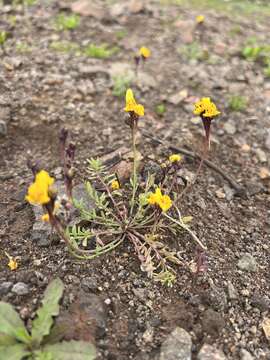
[(13, 352), (11, 324), (71, 350), (50, 307)]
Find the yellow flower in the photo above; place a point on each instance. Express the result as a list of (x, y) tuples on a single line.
[(206, 108), (175, 158), (38, 191), (131, 104), (12, 264), (115, 185), (45, 217), (199, 19), (144, 52), (163, 201)]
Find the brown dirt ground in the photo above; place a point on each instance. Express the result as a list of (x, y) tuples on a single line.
[(45, 91)]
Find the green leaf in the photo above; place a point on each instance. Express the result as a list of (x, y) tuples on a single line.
[(13, 352), (11, 324), (7, 340), (42, 324), (71, 350)]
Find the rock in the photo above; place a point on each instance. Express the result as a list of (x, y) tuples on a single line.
[(229, 127), (177, 98), (89, 284), (5, 286), (177, 346), (261, 155), (266, 328), (41, 233), (135, 6), (89, 8), (260, 302), (122, 69), (209, 352), (146, 81), (20, 288), (3, 128), (247, 263), (254, 188), (152, 168), (267, 140), (245, 355), (232, 292), (212, 322), (264, 173)]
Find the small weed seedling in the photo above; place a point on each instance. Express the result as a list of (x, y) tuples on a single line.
[(143, 211), (100, 52), (67, 22), (3, 39), (17, 343), (120, 85), (160, 109), (237, 103), (66, 47), (192, 52)]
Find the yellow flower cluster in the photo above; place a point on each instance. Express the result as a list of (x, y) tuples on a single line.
[(163, 201), (38, 192), (131, 104), (206, 108), (174, 158), (144, 52), (115, 185), (199, 19)]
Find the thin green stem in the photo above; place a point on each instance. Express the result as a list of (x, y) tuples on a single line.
[(134, 174), (185, 227)]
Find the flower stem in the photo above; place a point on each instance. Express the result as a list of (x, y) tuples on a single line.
[(185, 227), (134, 173)]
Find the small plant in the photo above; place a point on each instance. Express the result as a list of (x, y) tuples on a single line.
[(100, 52), (3, 39), (120, 85), (65, 47), (121, 34), (160, 109), (141, 56), (67, 22), (193, 51), (17, 343), (237, 103), (23, 47), (143, 211)]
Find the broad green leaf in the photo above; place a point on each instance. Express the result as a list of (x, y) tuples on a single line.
[(7, 340), (50, 307), (71, 350), (11, 324), (40, 355), (13, 352)]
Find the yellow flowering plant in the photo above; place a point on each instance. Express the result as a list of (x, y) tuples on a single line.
[(143, 55), (143, 210)]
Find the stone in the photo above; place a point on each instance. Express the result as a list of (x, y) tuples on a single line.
[(41, 233), (245, 355), (177, 98), (247, 263), (3, 128), (232, 292), (152, 168), (20, 289), (5, 286), (89, 8), (229, 127), (209, 352), (177, 346), (89, 284), (266, 328), (261, 155), (260, 302), (267, 140), (212, 322)]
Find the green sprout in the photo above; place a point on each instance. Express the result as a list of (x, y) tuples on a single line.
[(121, 34), (100, 52), (67, 22), (193, 51), (3, 38), (160, 109), (237, 103), (65, 47), (17, 342)]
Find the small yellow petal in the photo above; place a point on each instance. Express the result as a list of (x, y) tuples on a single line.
[(115, 185), (45, 217), (200, 19), (145, 52), (12, 264), (139, 110), (175, 158)]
